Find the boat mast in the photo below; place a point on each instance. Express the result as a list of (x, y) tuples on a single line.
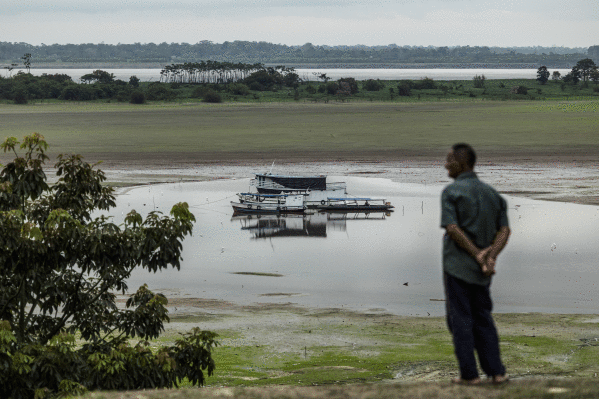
[(272, 166)]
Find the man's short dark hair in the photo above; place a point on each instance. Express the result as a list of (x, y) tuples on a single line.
[(467, 152)]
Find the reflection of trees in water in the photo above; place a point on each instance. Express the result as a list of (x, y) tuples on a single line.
[(310, 225)]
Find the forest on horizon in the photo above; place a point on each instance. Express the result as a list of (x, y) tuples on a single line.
[(57, 55)]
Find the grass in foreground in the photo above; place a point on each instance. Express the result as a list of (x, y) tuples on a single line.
[(578, 388), (286, 353)]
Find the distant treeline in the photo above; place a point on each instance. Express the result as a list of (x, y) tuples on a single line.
[(215, 81), (269, 53)]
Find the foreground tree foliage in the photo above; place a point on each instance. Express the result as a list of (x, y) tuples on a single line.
[(59, 272)]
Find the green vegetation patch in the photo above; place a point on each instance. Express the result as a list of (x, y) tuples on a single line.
[(109, 130), (331, 353), (331, 346)]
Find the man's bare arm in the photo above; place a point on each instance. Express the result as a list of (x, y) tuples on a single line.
[(485, 257), (499, 241), (495, 248), (459, 236)]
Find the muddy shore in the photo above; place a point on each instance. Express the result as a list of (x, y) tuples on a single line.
[(569, 176), (277, 329)]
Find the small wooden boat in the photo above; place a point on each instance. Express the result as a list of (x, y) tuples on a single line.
[(348, 204)]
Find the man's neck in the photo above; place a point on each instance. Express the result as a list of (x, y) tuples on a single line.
[(468, 170)]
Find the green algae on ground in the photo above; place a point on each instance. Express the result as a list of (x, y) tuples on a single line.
[(297, 346), (284, 351)]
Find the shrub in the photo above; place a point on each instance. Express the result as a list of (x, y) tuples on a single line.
[(137, 97), (404, 89), (424, 84), (291, 79), (160, 92), (257, 86), (543, 75), (212, 97), (238, 89), (556, 75), (20, 97), (352, 83), (479, 81), (322, 88), (407, 83), (134, 81), (57, 77), (310, 89), (373, 85), (267, 78), (332, 87), (519, 90), (75, 92), (199, 91), (122, 96)]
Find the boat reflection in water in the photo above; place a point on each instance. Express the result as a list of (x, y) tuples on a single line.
[(302, 225)]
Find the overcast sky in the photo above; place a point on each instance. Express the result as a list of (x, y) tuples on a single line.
[(572, 23)]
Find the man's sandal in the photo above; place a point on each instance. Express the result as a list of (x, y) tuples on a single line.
[(460, 381), (500, 379)]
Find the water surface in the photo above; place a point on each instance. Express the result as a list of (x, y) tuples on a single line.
[(153, 75), (362, 261)]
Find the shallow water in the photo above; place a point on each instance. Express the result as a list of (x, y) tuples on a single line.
[(362, 261), (153, 75)]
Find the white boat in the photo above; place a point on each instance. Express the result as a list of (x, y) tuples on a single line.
[(315, 189), (283, 194), (268, 203)]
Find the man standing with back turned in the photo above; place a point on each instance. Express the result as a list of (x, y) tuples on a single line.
[(474, 216)]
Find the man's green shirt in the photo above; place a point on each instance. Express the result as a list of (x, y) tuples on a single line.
[(479, 211)]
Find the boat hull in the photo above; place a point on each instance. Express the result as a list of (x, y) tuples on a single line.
[(355, 208), (264, 208)]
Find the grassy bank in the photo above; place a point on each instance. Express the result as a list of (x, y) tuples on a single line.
[(218, 130), (396, 356)]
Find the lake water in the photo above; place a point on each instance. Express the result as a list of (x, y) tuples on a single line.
[(362, 261), (153, 75)]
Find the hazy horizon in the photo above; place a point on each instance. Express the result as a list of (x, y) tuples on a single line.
[(513, 23)]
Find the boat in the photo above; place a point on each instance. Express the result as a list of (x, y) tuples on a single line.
[(315, 189), (353, 204), (269, 203), (284, 194)]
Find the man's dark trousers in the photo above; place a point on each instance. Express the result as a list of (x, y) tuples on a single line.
[(471, 324)]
